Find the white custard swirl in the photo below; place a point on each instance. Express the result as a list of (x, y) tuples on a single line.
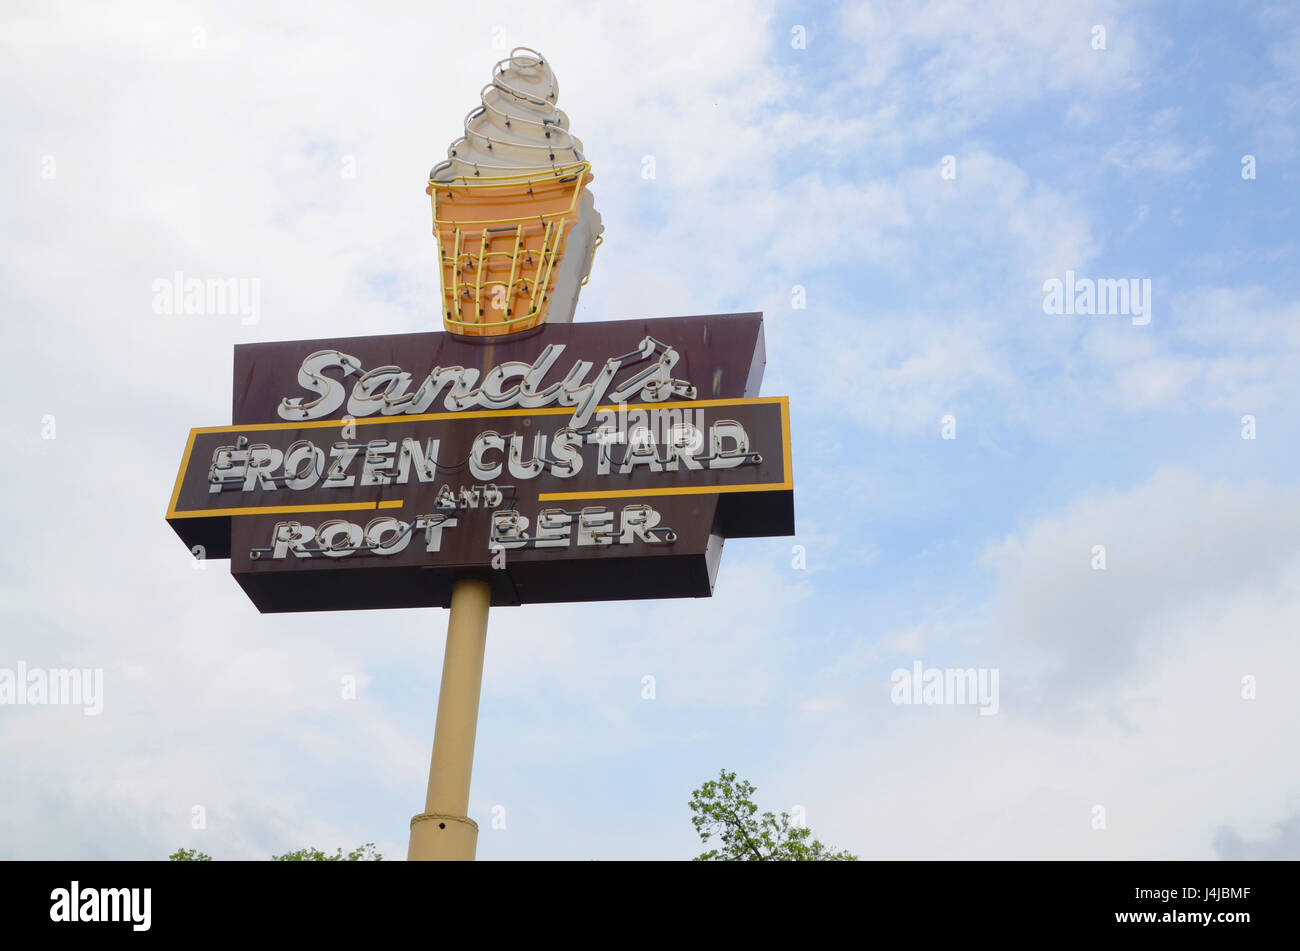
[(517, 129)]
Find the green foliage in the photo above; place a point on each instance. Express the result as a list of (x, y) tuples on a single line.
[(724, 808), (365, 853), (189, 855)]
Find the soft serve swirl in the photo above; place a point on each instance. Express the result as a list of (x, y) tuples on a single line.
[(517, 129)]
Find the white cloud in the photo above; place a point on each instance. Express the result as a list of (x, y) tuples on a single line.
[(1284, 845), (1172, 545), (947, 65), (1230, 348), (1121, 689), (1157, 149), (1269, 111)]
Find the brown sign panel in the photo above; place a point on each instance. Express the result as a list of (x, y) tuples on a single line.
[(721, 356), (559, 499)]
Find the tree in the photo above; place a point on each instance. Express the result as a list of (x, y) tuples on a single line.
[(724, 807), (365, 853), (189, 855)]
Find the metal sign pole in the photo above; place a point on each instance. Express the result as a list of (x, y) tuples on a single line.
[(444, 830)]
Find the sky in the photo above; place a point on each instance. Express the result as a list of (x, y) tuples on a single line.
[(1101, 508)]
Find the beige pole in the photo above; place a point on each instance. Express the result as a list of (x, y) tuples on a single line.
[(444, 831)]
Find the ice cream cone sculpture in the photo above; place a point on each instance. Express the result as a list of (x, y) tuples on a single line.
[(515, 224)]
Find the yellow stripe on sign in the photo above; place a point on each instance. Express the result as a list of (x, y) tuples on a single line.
[(681, 490), (180, 476), (486, 414), (289, 509)]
